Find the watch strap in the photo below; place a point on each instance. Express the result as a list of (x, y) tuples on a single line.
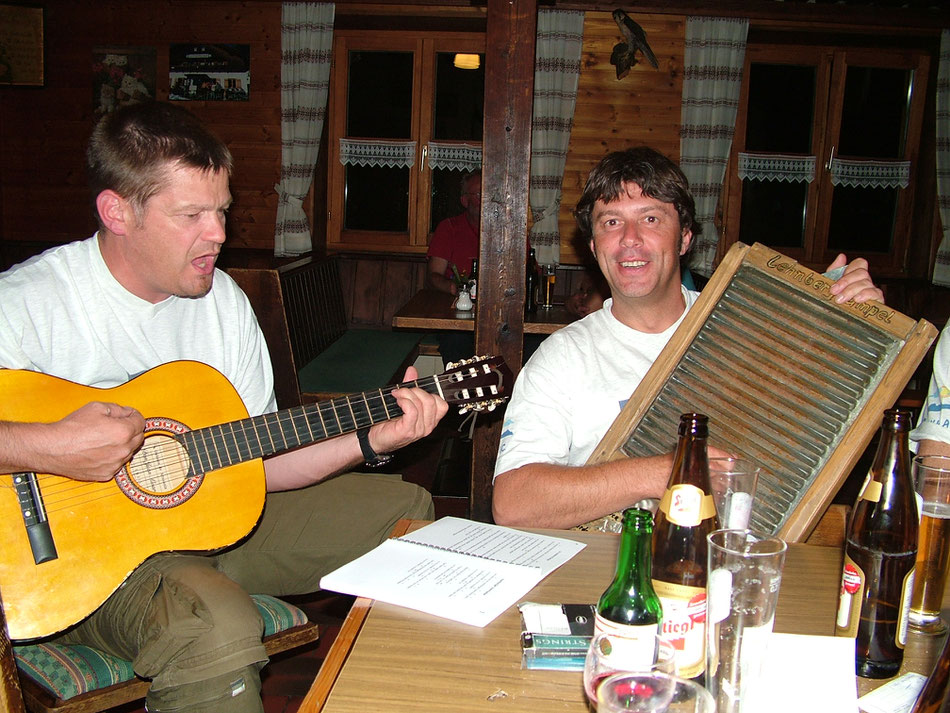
[(372, 458)]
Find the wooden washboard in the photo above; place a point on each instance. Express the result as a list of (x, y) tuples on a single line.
[(787, 377)]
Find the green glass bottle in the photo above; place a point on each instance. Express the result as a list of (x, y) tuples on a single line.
[(629, 611)]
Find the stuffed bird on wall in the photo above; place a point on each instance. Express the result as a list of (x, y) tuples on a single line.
[(634, 40)]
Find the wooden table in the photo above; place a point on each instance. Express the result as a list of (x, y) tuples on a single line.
[(424, 663), (432, 309)]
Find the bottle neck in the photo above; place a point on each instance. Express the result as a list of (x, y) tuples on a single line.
[(634, 557)]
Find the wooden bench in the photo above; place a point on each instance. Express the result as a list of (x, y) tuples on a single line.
[(316, 354)]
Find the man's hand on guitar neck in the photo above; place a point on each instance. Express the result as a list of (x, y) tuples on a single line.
[(421, 411), (91, 443)]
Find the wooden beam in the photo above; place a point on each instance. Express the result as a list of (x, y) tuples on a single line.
[(506, 148)]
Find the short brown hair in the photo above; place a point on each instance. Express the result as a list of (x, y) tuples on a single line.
[(130, 150), (656, 175)]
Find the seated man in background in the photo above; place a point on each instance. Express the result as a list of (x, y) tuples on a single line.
[(455, 240), (142, 292), (639, 216), (932, 434)]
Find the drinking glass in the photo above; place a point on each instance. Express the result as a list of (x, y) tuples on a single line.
[(652, 692), (733, 482), (548, 274), (745, 572), (605, 657), (932, 478)]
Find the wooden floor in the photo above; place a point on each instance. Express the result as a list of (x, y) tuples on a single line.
[(287, 678)]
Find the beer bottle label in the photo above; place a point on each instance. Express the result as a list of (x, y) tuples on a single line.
[(626, 647), (684, 625), (849, 601), (686, 505), (871, 491), (906, 592)]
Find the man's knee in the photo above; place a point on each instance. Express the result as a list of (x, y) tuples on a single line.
[(200, 625), (232, 692)]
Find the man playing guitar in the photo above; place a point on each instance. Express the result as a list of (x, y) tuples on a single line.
[(144, 292)]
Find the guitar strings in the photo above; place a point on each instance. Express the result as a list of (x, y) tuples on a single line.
[(162, 452)]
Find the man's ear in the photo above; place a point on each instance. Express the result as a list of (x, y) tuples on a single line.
[(687, 241), (114, 212), (591, 245)]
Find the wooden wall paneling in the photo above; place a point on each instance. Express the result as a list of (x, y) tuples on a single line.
[(643, 108), (49, 126), (499, 320)]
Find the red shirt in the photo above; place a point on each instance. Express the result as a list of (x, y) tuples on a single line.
[(456, 241)]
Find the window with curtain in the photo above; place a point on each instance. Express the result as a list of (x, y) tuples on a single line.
[(405, 126), (825, 153)]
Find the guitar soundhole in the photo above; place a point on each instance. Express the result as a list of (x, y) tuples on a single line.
[(157, 476)]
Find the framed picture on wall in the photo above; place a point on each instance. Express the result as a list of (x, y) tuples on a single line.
[(209, 72), (21, 45), (120, 76)]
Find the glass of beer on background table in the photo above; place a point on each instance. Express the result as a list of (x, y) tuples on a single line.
[(932, 478)]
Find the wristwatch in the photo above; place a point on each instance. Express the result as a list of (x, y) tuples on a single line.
[(372, 458)]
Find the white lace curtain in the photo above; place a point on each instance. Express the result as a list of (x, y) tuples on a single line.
[(556, 71), (454, 157), (377, 152), (306, 38), (941, 274), (776, 167), (715, 52)]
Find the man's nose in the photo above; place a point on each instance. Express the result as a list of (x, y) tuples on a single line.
[(631, 235), (215, 229)]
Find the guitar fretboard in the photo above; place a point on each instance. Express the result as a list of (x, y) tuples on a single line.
[(236, 442)]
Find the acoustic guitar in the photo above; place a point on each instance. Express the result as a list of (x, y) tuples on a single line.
[(196, 484)]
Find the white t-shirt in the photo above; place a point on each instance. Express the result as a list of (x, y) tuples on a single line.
[(934, 422), (573, 387), (63, 313)]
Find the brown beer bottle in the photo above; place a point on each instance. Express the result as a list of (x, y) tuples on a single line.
[(687, 513), (879, 557), (935, 695)]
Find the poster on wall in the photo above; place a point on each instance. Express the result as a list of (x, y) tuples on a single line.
[(21, 45), (120, 76), (209, 72)]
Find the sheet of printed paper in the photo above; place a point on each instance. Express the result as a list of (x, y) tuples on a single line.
[(463, 587), (897, 696), (493, 542)]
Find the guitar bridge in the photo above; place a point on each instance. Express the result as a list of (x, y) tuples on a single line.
[(34, 517)]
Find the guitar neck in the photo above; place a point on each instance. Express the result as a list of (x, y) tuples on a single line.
[(228, 444)]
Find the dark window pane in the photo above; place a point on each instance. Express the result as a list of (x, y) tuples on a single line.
[(379, 101), (376, 198), (781, 107), (459, 100), (862, 219), (773, 213), (874, 117)]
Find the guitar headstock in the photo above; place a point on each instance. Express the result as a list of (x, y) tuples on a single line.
[(477, 384)]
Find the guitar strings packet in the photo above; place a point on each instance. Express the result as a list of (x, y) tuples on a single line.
[(555, 636)]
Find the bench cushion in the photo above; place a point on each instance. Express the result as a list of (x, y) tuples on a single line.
[(70, 669), (360, 360)]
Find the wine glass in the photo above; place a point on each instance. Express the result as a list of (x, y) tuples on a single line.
[(652, 692), (609, 654)]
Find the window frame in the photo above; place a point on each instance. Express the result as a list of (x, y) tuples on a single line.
[(831, 64), (424, 46)]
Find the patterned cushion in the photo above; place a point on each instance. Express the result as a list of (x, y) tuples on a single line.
[(70, 669)]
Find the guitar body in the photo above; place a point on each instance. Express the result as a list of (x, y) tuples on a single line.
[(103, 531)]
